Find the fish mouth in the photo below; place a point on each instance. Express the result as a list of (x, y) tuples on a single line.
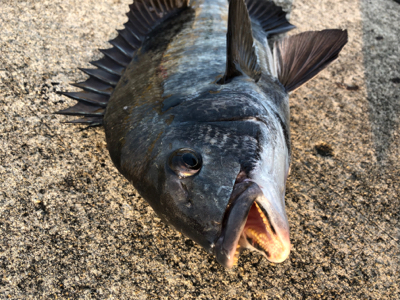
[(247, 224)]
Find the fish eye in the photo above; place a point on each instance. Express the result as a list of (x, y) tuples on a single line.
[(185, 162)]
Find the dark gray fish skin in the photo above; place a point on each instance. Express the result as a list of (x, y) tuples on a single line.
[(168, 98), (209, 118), (198, 120)]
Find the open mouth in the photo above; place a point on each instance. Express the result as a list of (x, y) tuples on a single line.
[(247, 224)]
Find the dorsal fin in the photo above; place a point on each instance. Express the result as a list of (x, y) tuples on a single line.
[(241, 55), (144, 16), (300, 57)]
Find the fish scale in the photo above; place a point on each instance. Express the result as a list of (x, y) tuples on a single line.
[(199, 48)]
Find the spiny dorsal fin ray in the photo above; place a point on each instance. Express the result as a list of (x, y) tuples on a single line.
[(300, 57), (108, 65), (89, 97), (83, 109), (144, 16), (94, 85), (241, 55), (131, 39), (122, 45), (91, 121), (117, 56), (102, 75), (270, 16)]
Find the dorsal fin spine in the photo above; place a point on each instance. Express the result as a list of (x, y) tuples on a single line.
[(129, 38), (144, 16), (115, 55), (148, 11), (140, 27), (136, 3), (241, 55), (161, 8)]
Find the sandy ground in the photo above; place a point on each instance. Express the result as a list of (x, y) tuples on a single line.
[(71, 227)]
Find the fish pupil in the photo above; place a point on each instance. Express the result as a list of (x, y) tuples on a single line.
[(190, 160), (185, 162)]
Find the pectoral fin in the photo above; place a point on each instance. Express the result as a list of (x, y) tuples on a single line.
[(300, 57)]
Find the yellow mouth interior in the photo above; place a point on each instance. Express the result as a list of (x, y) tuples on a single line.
[(258, 234)]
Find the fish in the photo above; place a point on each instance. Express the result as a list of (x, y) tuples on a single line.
[(194, 100)]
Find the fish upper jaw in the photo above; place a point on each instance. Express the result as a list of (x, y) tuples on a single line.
[(267, 230), (252, 221)]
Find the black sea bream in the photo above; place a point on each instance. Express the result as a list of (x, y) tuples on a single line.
[(194, 101)]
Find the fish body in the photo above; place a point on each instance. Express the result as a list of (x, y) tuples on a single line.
[(198, 118)]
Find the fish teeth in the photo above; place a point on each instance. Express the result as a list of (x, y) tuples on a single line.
[(259, 238), (263, 217), (236, 256)]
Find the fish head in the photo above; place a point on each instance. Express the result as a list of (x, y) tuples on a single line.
[(193, 179), (223, 186), (256, 218)]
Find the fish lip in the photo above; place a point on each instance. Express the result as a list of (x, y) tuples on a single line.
[(245, 195)]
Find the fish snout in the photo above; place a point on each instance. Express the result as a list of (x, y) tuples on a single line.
[(251, 221)]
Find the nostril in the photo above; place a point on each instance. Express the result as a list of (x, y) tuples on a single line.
[(184, 187), (241, 177)]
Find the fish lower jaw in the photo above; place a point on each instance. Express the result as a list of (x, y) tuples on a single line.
[(260, 235), (252, 221), (269, 246)]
